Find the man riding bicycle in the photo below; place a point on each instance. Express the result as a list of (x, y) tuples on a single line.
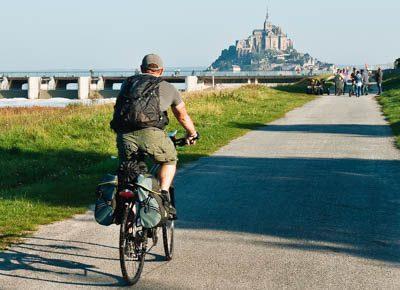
[(140, 116)]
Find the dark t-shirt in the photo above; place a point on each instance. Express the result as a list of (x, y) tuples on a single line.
[(379, 76), (353, 77)]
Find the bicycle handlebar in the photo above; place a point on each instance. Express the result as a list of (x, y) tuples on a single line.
[(182, 141)]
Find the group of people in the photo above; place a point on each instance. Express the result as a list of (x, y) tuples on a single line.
[(357, 83)]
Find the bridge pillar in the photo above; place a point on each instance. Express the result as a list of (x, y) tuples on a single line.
[(256, 81), (52, 84), (96, 84), (4, 85), (191, 83), (83, 88), (100, 84), (249, 81), (34, 87)]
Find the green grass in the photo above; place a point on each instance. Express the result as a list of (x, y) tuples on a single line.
[(390, 102), (51, 159)]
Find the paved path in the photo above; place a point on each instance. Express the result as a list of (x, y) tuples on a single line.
[(310, 202)]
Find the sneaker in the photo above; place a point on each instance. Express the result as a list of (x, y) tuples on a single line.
[(167, 203), (173, 217)]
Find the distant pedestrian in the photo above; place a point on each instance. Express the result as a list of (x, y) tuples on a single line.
[(339, 83), (358, 84), (352, 92), (365, 81), (342, 81), (337, 79), (379, 80), (346, 78)]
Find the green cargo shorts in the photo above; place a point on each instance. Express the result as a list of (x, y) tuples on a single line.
[(153, 141)]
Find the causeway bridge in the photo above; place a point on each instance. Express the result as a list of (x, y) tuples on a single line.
[(106, 84)]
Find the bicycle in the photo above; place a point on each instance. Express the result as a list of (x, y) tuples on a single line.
[(133, 239)]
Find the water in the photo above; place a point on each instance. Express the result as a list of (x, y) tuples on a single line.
[(54, 102)]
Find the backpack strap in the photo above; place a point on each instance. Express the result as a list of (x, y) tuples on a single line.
[(147, 189), (153, 84), (108, 183)]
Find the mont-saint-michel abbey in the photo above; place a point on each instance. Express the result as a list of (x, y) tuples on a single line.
[(267, 49), (271, 37)]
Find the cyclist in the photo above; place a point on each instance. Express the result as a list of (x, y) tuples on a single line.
[(149, 136)]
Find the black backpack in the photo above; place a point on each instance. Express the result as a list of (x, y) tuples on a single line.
[(138, 105)]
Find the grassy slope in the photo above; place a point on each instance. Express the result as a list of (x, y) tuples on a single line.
[(51, 159), (390, 101)]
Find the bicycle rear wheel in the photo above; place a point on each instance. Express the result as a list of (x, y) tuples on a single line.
[(168, 239), (132, 247)]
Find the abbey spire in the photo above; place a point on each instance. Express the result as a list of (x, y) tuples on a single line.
[(266, 22)]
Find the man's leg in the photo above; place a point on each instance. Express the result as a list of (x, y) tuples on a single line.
[(167, 173), (162, 149)]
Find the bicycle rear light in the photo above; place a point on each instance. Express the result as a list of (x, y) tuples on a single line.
[(127, 194)]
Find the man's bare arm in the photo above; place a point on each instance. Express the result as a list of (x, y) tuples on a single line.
[(184, 119)]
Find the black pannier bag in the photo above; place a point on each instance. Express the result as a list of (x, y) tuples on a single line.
[(106, 200)]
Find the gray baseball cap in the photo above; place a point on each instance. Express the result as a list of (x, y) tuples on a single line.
[(154, 60)]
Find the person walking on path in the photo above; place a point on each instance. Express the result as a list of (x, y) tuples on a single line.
[(342, 82), (352, 91), (337, 76), (346, 78), (365, 82), (358, 84), (379, 80), (339, 83)]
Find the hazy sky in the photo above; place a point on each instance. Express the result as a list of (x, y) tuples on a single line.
[(84, 34)]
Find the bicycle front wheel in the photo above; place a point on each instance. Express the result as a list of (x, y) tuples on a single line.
[(132, 247)]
